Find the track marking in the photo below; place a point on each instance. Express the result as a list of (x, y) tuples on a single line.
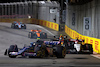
[(95, 56)]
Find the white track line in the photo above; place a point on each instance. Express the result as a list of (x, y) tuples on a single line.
[(95, 56)]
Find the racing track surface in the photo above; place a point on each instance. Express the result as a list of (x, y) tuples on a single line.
[(10, 36)]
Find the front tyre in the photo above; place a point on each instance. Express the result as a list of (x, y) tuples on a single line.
[(43, 35), (24, 27), (12, 48), (30, 35), (12, 56)]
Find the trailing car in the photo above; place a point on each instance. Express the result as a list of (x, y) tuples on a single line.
[(37, 34), (18, 25), (60, 38), (38, 49), (78, 46)]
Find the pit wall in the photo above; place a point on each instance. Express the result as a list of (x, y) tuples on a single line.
[(48, 24), (94, 41)]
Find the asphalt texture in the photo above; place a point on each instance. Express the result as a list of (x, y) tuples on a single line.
[(9, 36)]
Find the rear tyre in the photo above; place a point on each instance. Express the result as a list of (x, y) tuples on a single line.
[(13, 48), (60, 51), (24, 27), (16, 27), (12, 56), (88, 47), (43, 35), (30, 35), (13, 26), (31, 57)]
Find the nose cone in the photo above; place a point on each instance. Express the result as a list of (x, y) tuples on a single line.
[(19, 26)]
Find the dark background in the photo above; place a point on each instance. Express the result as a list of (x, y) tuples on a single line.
[(5, 1), (9, 1)]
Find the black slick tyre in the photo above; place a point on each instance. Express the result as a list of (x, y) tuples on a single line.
[(13, 48), (60, 51)]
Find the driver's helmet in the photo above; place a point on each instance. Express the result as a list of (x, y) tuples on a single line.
[(32, 43), (14, 21), (60, 36), (37, 31), (20, 22)]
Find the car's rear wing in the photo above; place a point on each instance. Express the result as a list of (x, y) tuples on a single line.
[(35, 30), (76, 40)]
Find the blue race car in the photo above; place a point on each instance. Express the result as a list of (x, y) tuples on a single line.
[(38, 49), (18, 25)]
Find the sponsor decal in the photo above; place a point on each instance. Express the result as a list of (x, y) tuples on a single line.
[(96, 45), (52, 25), (48, 24), (83, 38), (91, 41), (73, 34), (45, 23), (69, 31), (56, 27), (51, 42), (80, 37), (77, 36), (41, 22), (86, 40)]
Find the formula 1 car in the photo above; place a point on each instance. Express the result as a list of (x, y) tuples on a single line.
[(78, 46), (37, 34), (74, 45), (60, 38), (38, 49), (18, 25)]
